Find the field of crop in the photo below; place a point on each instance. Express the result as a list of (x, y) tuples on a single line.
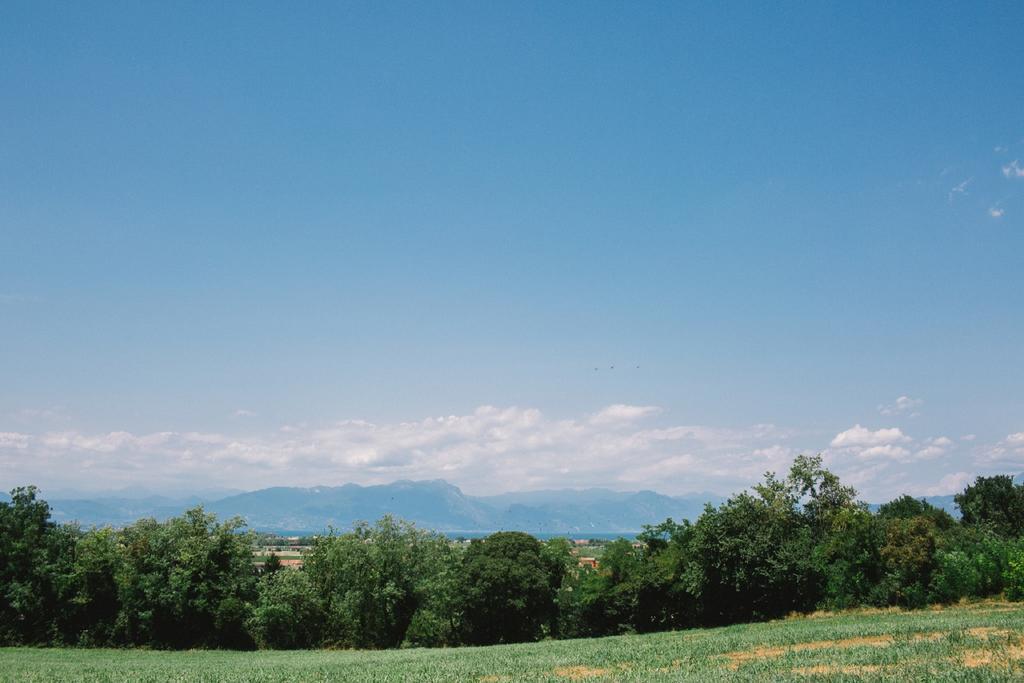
[(983, 641)]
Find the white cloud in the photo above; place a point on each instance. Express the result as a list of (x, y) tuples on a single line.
[(996, 212), (951, 483), (887, 451), (901, 406), (960, 188), (621, 412), (968, 437), (858, 437), (14, 440), (1013, 170), (489, 450), (775, 453), (884, 444), (1003, 457), (933, 448)]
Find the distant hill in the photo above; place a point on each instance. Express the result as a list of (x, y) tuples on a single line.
[(431, 504), (597, 510), (946, 503), (117, 511), (435, 505)]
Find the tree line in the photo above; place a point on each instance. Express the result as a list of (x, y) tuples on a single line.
[(791, 544)]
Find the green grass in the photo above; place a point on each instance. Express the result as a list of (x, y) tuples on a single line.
[(979, 642)]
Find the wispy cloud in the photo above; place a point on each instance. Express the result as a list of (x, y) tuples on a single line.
[(903, 405), (996, 212), (490, 450), (17, 298), (1006, 455), (934, 447), (52, 415), (242, 412), (960, 189), (14, 441), (951, 483), (1013, 170), (493, 449)]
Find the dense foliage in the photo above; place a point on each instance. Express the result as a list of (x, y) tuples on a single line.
[(791, 544)]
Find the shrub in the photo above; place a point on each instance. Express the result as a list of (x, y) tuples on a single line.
[(1013, 576), (288, 612)]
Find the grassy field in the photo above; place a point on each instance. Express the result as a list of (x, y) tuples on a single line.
[(979, 642)]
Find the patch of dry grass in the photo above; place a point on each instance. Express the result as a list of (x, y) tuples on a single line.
[(579, 673), (737, 658)]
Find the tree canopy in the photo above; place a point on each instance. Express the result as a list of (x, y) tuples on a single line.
[(797, 542)]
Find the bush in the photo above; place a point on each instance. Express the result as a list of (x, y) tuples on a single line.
[(186, 582), (373, 581), (288, 612), (956, 576), (1013, 576)]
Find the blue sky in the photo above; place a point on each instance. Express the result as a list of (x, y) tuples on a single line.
[(289, 238)]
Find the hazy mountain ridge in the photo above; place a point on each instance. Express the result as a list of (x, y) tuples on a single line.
[(433, 504)]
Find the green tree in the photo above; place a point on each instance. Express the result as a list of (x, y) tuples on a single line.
[(34, 558), (851, 559), (820, 491), (288, 613), (609, 597), (94, 603), (970, 561), (906, 507), (1013, 576), (561, 563), (438, 615), (956, 576), (188, 582), (272, 564), (753, 557), (507, 589), (994, 501), (909, 559), (373, 580)]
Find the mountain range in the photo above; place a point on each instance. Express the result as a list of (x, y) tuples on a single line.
[(435, 505)]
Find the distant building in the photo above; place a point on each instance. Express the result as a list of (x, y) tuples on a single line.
[(590, 562), (290, 563)]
